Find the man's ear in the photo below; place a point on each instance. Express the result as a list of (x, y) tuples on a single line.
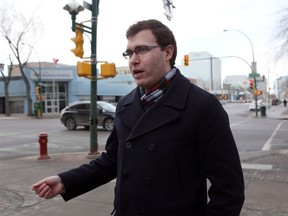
[(169, 51)]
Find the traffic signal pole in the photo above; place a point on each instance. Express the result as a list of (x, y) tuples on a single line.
[(254, 73), (256, 104), (74, 8), (93, 95)]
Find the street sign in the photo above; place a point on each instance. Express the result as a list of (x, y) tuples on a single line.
[(252, 75)]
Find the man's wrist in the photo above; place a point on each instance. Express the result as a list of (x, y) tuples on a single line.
[(62, 186)]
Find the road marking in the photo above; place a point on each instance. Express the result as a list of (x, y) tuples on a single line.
[(237, 123), (257, 166), (268, 145)]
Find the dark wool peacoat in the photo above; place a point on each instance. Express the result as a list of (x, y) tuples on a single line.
[(164, 157)]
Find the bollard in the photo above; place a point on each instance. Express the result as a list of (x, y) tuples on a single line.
[(43, 147)]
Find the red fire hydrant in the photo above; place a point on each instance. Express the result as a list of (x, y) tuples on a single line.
[(43, 146)]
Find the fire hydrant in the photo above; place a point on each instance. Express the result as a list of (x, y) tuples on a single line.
[(43, 140)]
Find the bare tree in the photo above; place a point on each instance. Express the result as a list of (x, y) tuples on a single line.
[(6, 80), (20, 34), (281, 35)]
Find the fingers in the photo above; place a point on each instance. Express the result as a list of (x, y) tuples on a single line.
[(38, 184), (48, 188), (44, 191), (41, 189)]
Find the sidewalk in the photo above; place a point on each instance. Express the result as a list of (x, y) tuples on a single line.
[(24, 116), (277, 112), (266, 176), (17, 198), (266, 179)]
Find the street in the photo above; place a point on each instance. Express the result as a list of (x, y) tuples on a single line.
[(256, 133), (19, 136)]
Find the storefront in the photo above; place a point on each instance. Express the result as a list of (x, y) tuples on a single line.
[(53, 83)]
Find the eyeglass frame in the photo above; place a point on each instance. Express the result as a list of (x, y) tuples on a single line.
[(137, 50)]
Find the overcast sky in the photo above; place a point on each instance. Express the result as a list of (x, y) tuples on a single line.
[(197, 25)]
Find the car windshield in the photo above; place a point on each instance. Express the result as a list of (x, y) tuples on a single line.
[(107, 106)]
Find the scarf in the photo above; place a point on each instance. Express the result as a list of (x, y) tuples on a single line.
[(156, 92)]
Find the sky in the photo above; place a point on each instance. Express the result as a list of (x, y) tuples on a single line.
[(197, 25)]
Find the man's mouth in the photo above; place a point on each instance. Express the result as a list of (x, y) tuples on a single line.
[(136, 72)]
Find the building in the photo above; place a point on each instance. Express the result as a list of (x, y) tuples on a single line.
[(236, 87), (281, 87), (205, 69), (59, 86)]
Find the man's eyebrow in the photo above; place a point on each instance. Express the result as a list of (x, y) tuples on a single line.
[(137, 47)]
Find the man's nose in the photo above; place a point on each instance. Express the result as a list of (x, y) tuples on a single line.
[(134, 58)]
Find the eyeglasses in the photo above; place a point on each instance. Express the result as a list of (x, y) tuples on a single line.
[(139, 50)]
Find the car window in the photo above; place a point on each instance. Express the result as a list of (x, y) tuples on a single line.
[(107, 106), (81, 107)]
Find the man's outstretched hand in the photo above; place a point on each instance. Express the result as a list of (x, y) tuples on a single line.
[(49, 187)]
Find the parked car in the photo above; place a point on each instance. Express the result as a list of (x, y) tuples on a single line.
[(78, 114), (252, 105)]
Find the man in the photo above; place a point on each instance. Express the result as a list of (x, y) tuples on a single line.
[(169, 137)]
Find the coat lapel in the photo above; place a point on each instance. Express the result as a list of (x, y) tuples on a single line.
[(131, 111), (167, 109)]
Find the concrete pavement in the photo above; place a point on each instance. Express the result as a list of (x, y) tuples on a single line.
[(265, 172)]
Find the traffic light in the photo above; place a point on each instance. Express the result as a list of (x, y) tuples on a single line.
[(251, 84), (37, 90), (258, 92), (108, 70), (79, 41), (186, 60), (84, 69), (42, 88)]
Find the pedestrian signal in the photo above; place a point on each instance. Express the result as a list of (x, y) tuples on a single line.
[(108, 70), (84, 69)]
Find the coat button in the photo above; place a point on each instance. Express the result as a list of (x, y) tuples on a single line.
[(151, 147), (148, 181), (128, 145)]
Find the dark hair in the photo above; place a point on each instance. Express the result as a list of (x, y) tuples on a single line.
[(163, 34)]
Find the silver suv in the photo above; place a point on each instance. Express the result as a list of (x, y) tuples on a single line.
[(78, 114)]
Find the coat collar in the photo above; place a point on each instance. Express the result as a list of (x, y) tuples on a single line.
[(164, 111)]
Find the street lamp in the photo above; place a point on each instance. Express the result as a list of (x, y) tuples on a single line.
[(74, 8), (253, 65), (225, 30)]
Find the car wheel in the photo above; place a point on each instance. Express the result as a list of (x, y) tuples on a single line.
[(70, 124), (108, 124)]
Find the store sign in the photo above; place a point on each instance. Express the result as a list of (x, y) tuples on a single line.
[(52, 75)]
